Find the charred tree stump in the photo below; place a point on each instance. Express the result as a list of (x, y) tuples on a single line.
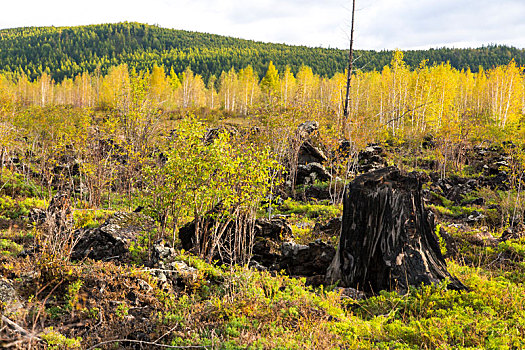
[(387, 240)]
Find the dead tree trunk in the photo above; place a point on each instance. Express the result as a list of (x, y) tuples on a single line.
[(350, 64), (387, 240)]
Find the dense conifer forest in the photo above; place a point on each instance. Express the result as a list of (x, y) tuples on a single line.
[(67, 51)]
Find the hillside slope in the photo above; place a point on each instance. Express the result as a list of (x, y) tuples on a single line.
[(66, 51)]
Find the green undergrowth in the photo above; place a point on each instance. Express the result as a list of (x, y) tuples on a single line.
[(489, 316), (322, 210), (245, 308), (227, 307), (448, 208), (15, 184), (304, 216), (90, 218), (9, 247), (11, 208)]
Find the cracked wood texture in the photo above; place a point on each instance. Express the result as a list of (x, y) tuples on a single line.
[(387, 239)]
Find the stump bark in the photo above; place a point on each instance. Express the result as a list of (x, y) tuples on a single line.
[(387, 240)]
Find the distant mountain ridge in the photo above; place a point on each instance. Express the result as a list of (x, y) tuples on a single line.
[(67, 51)]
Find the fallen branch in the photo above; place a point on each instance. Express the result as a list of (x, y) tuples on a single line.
[(15, 327)]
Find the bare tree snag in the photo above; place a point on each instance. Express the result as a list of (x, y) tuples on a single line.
[(387, 240), (350, 64)]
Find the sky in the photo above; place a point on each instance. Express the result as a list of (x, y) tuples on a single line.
[(380, 24)]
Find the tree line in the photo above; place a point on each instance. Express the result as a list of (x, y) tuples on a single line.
[(397, 98), (65, 52)]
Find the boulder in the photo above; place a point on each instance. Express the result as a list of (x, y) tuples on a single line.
[(387, 239), (307, 260), (516, 232), (169, 270), (266, 253), (9, 298), (112, 239), (213, 133), (344, 149), (475, 217), (308, 153), (187, 232), (314, 191), (492, 162), (371, 158), (331, 228), (274, 228), (36, 216), (309, 173), (482, 238), (268, 237), (455, 189), (307, 128)]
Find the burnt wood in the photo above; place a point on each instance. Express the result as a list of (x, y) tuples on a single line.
[(387, 240)]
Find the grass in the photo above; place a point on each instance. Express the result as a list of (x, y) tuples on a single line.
[(238, 308), (11, 208), (10, 248), (321, 211), (303, 217), (90, 218)]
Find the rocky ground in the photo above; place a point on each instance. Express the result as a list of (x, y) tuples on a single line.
[(122, 288)]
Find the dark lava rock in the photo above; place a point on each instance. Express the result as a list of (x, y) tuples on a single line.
[(9, 298), (429, 142), (313, 191), (112, 239), (275, 228), (36, 216), (331, 228), (371, 158), (306, 260), (266, 245), (307, 128), (213, 133), (454, 189), (344, 149), (268, 237), (475, 217), (482, 238), (516, 232), (493, 163), (308, 153), (187, 232), (170, 271), (267, 253), (309, 173)]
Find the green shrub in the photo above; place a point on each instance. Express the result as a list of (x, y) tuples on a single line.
[(16, 185), (55, 340), (8, 247), (86, 218), (13, 209), (322, 211)]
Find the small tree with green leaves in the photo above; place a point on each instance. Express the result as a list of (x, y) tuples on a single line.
[(219, 184)]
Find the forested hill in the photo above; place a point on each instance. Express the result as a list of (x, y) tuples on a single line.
[(68, 51)]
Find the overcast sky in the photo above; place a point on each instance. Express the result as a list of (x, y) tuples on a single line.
[(380, 24)]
